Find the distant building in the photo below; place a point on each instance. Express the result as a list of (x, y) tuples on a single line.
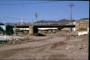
[(82, 25)]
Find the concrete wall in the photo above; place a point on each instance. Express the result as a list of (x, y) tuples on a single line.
[(82, 33)]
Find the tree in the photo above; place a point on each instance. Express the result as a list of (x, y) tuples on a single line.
[(9, 30)]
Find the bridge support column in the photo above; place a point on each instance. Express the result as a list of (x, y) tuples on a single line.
[(33, 30)]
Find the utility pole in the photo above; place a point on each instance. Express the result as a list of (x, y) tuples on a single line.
[(71, 5), (36, 16), (14, 29), (21, 21)]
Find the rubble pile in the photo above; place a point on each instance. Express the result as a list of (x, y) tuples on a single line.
[(25, 39), (78, 44), (17, 41), (73, 44)]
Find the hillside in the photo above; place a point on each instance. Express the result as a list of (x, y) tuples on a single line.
[(63, 21)]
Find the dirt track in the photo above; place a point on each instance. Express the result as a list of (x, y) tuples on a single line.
[(57, 46)]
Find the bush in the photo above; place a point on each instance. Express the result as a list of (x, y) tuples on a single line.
[(3, 41), (9, 30)]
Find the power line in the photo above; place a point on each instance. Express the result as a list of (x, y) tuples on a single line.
[(25, 3), (9, 17)]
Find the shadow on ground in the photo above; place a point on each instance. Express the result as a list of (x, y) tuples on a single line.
[(39, 34)]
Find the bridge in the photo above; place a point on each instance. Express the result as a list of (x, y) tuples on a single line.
[(34, 27)]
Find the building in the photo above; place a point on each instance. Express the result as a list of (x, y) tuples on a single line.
[(82, 25)]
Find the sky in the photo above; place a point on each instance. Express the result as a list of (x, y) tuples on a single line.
[(17, 10)]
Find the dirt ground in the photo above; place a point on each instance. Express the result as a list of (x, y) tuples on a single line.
[(55, 46)]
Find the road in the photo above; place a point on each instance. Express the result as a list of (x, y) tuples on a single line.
[(34, 44)]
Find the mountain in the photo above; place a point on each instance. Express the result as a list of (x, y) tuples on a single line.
[(62, 21)]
